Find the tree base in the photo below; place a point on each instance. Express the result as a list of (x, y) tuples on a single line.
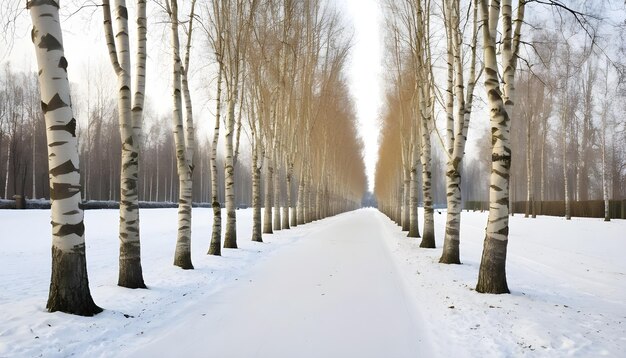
[(130, 274), (215, 248), (183, 261), (428, 240), (492, 273), (450, 254), (413, 233), (69, 285), (230, 242), (449, 259)]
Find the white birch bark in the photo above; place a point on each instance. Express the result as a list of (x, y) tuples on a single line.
[(130, 271), (69, 284), (269, 197), (276, 190), (605, 191), (287, 206), (34, 158), (428, 235), (256, 191), (215, 247), (450, 253), (492, 273), (414, 197), (300, 200), (183, 138), (230, 236), (6, 177)]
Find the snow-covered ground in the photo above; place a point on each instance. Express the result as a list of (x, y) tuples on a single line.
[(348, 286), (567, 282)]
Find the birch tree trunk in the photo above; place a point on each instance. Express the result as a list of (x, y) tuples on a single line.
[(414, 230), (69, 284), (182, 255), (544, 136), (428, 236), (492, 273), (230, 235), (564, 143), (269, 197), (406, 184), (450, 253), (276, 191), (605, 192), (300, 201), (285, 217), (130, 271), (292, 201), (215, 247), (6, 178), (256, 194)]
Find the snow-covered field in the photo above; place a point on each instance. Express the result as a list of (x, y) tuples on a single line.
[(348, 286), (567, 282)]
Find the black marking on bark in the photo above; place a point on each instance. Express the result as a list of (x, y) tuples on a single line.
[(496, 188), (63, 63), (33, 33), (59, 191), (55, 103), (67, 229), (50, 43), (504, 231), (71, 212), (69, 127), (124, 88), (455, 162), (495, 157), (56, 144), (65, 168), (123, 11), (503, 175), (503, 201), (32, 3)]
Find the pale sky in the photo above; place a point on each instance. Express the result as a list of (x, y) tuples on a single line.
[(365, 75)]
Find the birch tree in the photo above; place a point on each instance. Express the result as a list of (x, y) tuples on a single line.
[(215, 34), (238, 15), (69, 284), (130, 112), (183, 134), (460, 113), (603, 115), (500, 98)]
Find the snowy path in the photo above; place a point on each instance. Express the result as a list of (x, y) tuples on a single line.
[(334, 293)]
